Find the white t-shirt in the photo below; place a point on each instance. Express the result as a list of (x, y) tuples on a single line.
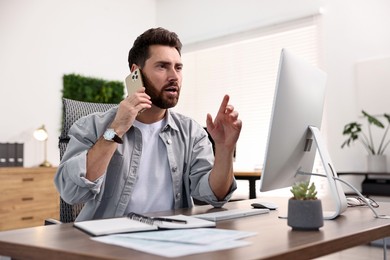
[(153, 190)]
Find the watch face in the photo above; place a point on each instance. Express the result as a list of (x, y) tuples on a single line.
[(109, 134)]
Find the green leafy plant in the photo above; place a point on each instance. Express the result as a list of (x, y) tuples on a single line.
[(354, 132), (304, 191), (91, 89)]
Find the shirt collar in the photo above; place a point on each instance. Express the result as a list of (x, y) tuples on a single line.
[(170, 122)]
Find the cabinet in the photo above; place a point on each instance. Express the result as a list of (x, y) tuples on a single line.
[(27, 197), (374, 184)]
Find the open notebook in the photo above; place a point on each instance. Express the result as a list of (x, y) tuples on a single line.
[(135, 223)]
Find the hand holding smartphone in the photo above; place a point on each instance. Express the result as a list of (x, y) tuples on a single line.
[(134, 82)]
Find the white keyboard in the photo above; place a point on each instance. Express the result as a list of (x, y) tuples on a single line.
[(230, 214)]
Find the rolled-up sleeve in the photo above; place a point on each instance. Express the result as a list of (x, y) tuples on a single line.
[(70, 177), (207, 194)]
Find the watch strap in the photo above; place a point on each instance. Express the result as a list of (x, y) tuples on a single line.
[(117, 139)]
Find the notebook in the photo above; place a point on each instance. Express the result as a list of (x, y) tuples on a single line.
[(136, 223), (230, 214)]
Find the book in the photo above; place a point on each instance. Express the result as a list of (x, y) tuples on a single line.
[(137, 223)]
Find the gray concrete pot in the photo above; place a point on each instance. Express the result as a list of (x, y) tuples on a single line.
[(305, 214)]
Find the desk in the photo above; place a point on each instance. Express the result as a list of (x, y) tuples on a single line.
[(252, 177), (275, 240)]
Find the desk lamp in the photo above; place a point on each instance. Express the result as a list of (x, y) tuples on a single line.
[(41, 135)]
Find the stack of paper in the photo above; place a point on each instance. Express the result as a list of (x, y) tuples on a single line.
[(179, 242)]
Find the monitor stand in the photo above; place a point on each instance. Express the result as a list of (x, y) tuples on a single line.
[(337, 193)]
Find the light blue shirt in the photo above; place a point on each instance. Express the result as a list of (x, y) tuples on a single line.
[(190, 159)]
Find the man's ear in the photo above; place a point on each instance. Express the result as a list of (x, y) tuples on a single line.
[(133, 67)]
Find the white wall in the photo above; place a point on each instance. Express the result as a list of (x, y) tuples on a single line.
[(352, 30), (197, 20), (41, 40)]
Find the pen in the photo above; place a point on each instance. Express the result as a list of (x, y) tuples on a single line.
[(150, 220), (171, 220)]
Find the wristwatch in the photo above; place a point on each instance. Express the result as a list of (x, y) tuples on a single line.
[(111, 135)]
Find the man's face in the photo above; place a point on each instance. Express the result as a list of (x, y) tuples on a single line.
[(162, 76)]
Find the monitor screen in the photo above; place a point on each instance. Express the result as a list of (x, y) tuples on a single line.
[(298, 104)]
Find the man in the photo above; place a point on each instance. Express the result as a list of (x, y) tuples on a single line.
[(154, 159)]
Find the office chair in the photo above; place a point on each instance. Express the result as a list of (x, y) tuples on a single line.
[(73, 110)]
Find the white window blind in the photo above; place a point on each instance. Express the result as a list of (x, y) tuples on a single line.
[(245, 67)]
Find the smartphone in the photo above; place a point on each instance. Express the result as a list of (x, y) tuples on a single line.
[(134, 82)]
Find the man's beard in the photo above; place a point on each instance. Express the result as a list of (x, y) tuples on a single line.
[(157, 97)]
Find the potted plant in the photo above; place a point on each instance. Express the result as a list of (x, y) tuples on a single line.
[(376, 159), (304, 209)]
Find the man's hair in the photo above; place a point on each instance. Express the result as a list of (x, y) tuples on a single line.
[(139, 53)]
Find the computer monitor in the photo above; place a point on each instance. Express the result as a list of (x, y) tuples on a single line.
[(293, 134)]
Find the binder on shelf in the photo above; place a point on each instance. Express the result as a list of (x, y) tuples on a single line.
[(11, 153), (3, 155), (19, 155)]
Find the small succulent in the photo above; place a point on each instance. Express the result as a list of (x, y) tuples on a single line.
[(304, 191)]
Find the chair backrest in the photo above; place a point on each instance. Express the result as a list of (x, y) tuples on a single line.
[(73, 110)]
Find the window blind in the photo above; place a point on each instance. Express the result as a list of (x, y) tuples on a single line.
[(245, 67)]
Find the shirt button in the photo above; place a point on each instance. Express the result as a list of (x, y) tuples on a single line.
[(169, 141), (174, 168), (178, 195)]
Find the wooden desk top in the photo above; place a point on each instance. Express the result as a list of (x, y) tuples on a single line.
[(275, 240), (247, 173)]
